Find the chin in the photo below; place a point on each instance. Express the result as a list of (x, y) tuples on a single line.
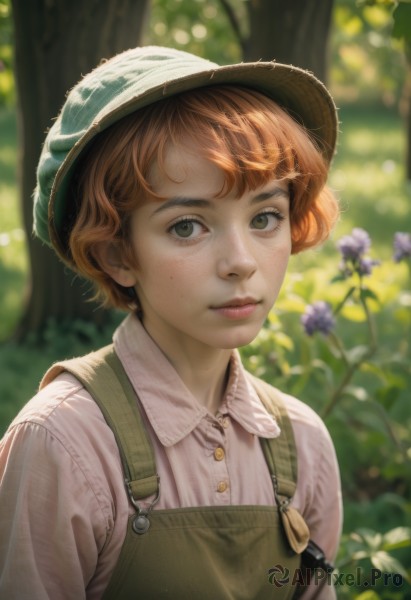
[(238, 339)]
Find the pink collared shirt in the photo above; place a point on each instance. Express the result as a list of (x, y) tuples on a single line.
[(63, 506)]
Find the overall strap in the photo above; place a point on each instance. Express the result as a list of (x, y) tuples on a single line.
[(280, 452), (281, 457), (103, 376)]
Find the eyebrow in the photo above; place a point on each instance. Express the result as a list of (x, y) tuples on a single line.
[(273, 193), (187, 202), (184, 202)]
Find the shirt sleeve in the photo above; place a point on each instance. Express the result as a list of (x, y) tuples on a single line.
[(51, 523), (318, 494), (325, 518)]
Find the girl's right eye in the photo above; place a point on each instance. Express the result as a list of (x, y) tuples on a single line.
[(186, 229)]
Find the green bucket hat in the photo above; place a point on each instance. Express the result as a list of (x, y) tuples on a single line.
[(139, 77)]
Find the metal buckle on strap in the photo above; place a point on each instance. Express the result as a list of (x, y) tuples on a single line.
[(282, 501), (141, 522)]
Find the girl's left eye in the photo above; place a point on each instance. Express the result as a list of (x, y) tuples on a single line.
[(186, 229), (266, 221)]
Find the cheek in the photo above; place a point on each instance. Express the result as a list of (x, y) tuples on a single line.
[(166, 276), (278, 259)]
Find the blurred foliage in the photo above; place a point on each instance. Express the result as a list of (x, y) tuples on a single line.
[(358, 378), (402, 20), (371, 422), (367, 63), (60, 341), (7, 89), (13, 253), (199, 26)]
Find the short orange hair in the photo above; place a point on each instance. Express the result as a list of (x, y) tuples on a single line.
[(245, 133)]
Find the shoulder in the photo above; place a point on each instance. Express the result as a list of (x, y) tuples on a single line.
[(318, 493), (62, 433), (60, 470), (64, 410), (316, 457), (51, 402), (307, 425)]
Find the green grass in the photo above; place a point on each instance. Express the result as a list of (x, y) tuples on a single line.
[(368, 174)]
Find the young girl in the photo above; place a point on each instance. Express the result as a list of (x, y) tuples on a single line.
[(158, 467)]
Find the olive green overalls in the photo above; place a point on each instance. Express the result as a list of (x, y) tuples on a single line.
[(211, 553)]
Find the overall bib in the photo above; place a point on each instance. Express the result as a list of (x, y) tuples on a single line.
[(211, 553)]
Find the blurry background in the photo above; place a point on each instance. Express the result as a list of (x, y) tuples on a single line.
[(362, 50)]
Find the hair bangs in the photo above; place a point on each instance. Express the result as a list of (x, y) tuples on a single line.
[(236, 130), (244, 133)]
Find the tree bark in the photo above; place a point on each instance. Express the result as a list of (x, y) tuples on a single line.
[(290, 31), (56, 41)]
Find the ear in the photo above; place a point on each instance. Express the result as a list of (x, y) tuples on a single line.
[(110, 258)]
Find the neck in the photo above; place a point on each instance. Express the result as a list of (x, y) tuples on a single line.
[(206, 379), (203, 369)]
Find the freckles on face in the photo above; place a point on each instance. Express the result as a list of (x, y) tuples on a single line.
[(208, 268)]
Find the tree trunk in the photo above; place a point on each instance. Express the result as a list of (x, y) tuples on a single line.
[(56, 41), (290, 31)]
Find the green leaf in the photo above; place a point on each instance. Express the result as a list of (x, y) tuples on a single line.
[(360, 555), (291, 304), (400, 537), (369, 537), (357, 354), (368, 595), (354, 313), (388, 564), (402, 21), (366, 294), (338, 278), (283, 340), (359, 393), (388, 395)]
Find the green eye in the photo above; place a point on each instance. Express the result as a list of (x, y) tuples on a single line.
[(267, 221), (184, 229), (260, 221)]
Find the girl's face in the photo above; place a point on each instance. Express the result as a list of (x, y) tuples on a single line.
[(208, 269)]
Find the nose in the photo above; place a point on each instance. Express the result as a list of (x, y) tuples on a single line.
[(235, 256)]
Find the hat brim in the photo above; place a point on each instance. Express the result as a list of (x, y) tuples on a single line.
[(301, 94)]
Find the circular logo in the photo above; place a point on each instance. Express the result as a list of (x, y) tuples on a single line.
[(279, 576)]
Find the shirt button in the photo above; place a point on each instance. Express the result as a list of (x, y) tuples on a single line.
[(222, 486), (219, 453)]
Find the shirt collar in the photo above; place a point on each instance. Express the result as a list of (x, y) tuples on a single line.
[(170, 407)]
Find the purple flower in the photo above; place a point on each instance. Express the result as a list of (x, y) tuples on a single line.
[(354, 246), (318, 317), (365, 265), (402, 246)]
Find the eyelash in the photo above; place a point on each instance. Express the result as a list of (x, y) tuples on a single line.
[(184, 220), (187, 219), (275, 213)]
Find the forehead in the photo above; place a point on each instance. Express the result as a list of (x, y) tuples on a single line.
[(185, 165)]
